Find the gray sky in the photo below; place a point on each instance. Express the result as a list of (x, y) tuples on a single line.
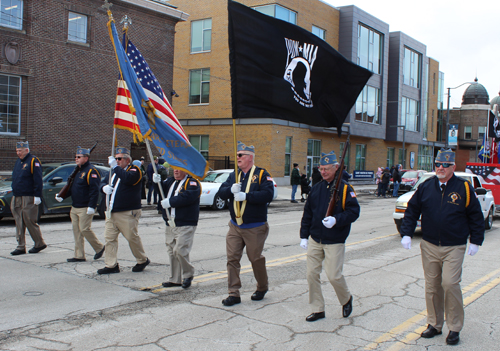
[(462, 36)]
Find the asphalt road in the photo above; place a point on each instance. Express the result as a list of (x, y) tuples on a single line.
[(50, 304)]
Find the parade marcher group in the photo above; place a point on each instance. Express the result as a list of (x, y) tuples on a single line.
[(449, 211)]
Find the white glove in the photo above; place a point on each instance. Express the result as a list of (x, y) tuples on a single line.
[(38, 201), (165, 203), (473, 248), (107, 189), (236, 188), (156, 178), (59, 199), (241, 196), (406, 242), (112, 162), (90, 211), (329, 221), (303, 243)]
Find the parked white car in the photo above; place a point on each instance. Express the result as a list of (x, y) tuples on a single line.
[(210, 188), (485, 197)]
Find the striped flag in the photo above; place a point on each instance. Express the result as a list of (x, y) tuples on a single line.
[(124, 118)]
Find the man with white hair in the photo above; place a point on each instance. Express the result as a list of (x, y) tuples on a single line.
[(27, 187), (125, 203)]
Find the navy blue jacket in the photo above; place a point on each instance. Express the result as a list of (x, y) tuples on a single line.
[(261, 192), (27, 177), (447, 219), (315, 210), (186, 203), (128, 195), (84, 191)]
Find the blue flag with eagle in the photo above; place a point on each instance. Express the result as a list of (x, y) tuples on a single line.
[(484, 152), (154, 114)]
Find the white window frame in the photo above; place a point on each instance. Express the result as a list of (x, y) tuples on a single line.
[(11, 14), (77, 27), (205, 35), (198, 145), (288, 156), (481, 131), (319, 32), (411, 67), (468, 130), (364, 105), (271, 10), (6, 105), (360, 157), (372, 62), (410, 114), (202, 83)]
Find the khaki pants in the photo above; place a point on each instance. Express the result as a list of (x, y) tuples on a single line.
[(179, 241), (81, 222), (25, 213), (125, 222), (333, 255), (254, 240), (443, 273)]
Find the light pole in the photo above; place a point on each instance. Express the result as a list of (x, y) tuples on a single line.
[(404, 132), (448, 110)]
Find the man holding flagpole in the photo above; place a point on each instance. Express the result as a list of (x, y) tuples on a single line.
[(253, 188)]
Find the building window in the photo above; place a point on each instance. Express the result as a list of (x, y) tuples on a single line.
[(360, 157), (319, 32), (341, 152), (410, 114), (468, 132), (400, 157), (288, 155), (279, 12), (10, 104), (200, 143), (425, 158), (11, 13), (481, 132), (411, 68), (199, 86), (313, 155), (369, 49), (77, 27), (368, 105), (201, 35), (390, 157)]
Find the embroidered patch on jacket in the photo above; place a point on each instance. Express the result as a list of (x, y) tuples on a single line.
[(37, 164), (82, 175), (133, 169), (193, 183), (269, 178), (353, 194), (94, 175)]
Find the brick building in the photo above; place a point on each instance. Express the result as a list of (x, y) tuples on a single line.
[(58, 72), (203, 105)]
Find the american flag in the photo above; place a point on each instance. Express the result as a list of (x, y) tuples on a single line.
[(124, 117), (490, 173)]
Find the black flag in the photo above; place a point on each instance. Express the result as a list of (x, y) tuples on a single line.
[(280, 70), (493, 126)]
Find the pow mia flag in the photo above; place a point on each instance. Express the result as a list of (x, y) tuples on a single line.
[(493, 126), (280, 70)]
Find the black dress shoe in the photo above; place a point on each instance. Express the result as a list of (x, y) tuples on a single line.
[(231, 300), (294, 202), (453, 338), (430, 332), (186, 283), (76, 259), (140, 266), (347, 308), (258, 295), (170, 284), (37, 249), (106, 270), (315, 316), (18, 252), (98, 255)]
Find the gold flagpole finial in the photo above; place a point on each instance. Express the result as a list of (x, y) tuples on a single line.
[(107, 7)]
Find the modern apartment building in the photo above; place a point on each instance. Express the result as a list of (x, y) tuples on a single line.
[(396, 94)]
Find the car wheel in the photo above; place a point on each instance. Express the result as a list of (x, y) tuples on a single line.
[(488, 222), (218, 204)]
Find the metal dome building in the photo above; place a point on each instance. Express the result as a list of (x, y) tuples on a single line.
[(495, 101), (475, 94)]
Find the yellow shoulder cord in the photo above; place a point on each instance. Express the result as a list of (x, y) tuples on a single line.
[(88, 176), (467, 194), (32, 161), (239, 220), (344, 196)]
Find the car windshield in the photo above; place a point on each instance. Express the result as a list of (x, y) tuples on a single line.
[(215, 177), (422, 179), (412, 174)]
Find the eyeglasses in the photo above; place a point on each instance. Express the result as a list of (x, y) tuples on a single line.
[(240, 155), (325, 169), (79, 156), (119, 158), (444, 164)]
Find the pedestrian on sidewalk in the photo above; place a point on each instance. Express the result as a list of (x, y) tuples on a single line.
[(396, 180), (385, 179), (295, 181), (305, 188)]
